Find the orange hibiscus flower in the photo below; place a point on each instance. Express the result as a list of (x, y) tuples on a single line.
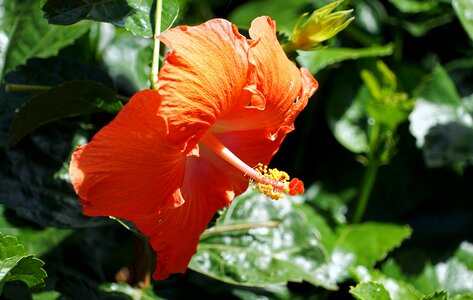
[(173, 157)]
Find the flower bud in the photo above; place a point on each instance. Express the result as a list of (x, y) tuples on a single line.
[(320, 26)]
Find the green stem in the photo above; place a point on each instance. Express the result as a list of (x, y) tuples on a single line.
[(369, 177), (366, 188), (157, 45), (237, 227), (289, 48), (13, 87)]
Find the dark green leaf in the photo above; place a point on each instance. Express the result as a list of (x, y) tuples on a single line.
[(136, 16), (31, 182), (70, 99), (47, 72), (16, 264), (315, 61), (71, 11), (257, 242), (26, 34), (369, 291), (438, 88), (463, 9)]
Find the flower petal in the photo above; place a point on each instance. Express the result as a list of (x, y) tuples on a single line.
[(202, 76), (279, 90), (174, 233), (129, 167)]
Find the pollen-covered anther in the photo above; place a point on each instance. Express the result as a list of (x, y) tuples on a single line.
[(274, 183)]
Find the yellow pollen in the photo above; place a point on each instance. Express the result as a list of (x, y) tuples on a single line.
[(266, 183)]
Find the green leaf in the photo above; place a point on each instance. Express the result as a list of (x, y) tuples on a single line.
[(414, 6), (37, 241), (133, 293), (349, 121), (451, 275), (369, 291), (30, 180), (70, 11), (397, 289), (70, 99), (259, 242), (16, 264), (464, 254), (25, 34), (463, 9), (136, 16), (47, 72), (442, 122), (285, 13), (128, 59), (317, 60), (437, 295), (365, 244)]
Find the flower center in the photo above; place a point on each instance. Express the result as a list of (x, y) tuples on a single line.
[(271, 182)]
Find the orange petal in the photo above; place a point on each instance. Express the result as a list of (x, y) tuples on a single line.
[(278, 89), (202, 76), (129, 167), (174, 233)]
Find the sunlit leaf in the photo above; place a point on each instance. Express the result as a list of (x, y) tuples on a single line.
[(128, 60), (437, 295), (369, 291), (24, 34), (16, 264), (442, 122), (463, 9), (257, 242), (133, 293)]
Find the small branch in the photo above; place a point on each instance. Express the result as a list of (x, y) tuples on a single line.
[(157, 45), (237, 227)]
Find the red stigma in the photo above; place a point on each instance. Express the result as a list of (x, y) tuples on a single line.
[(296, 186)]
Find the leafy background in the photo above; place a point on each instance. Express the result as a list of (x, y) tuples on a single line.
[(392, 120)]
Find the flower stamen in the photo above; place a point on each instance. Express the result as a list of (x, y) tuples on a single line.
[(271, 182)]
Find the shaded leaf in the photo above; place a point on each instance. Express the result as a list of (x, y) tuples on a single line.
[(463, 9), (16, 264), (258, 242), (47, 72), (36, 241), (369, 291), (70, 99), (24, 34), (317, 60), (30, 182)]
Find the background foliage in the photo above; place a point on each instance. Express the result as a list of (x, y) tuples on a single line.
[(391, 126)]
